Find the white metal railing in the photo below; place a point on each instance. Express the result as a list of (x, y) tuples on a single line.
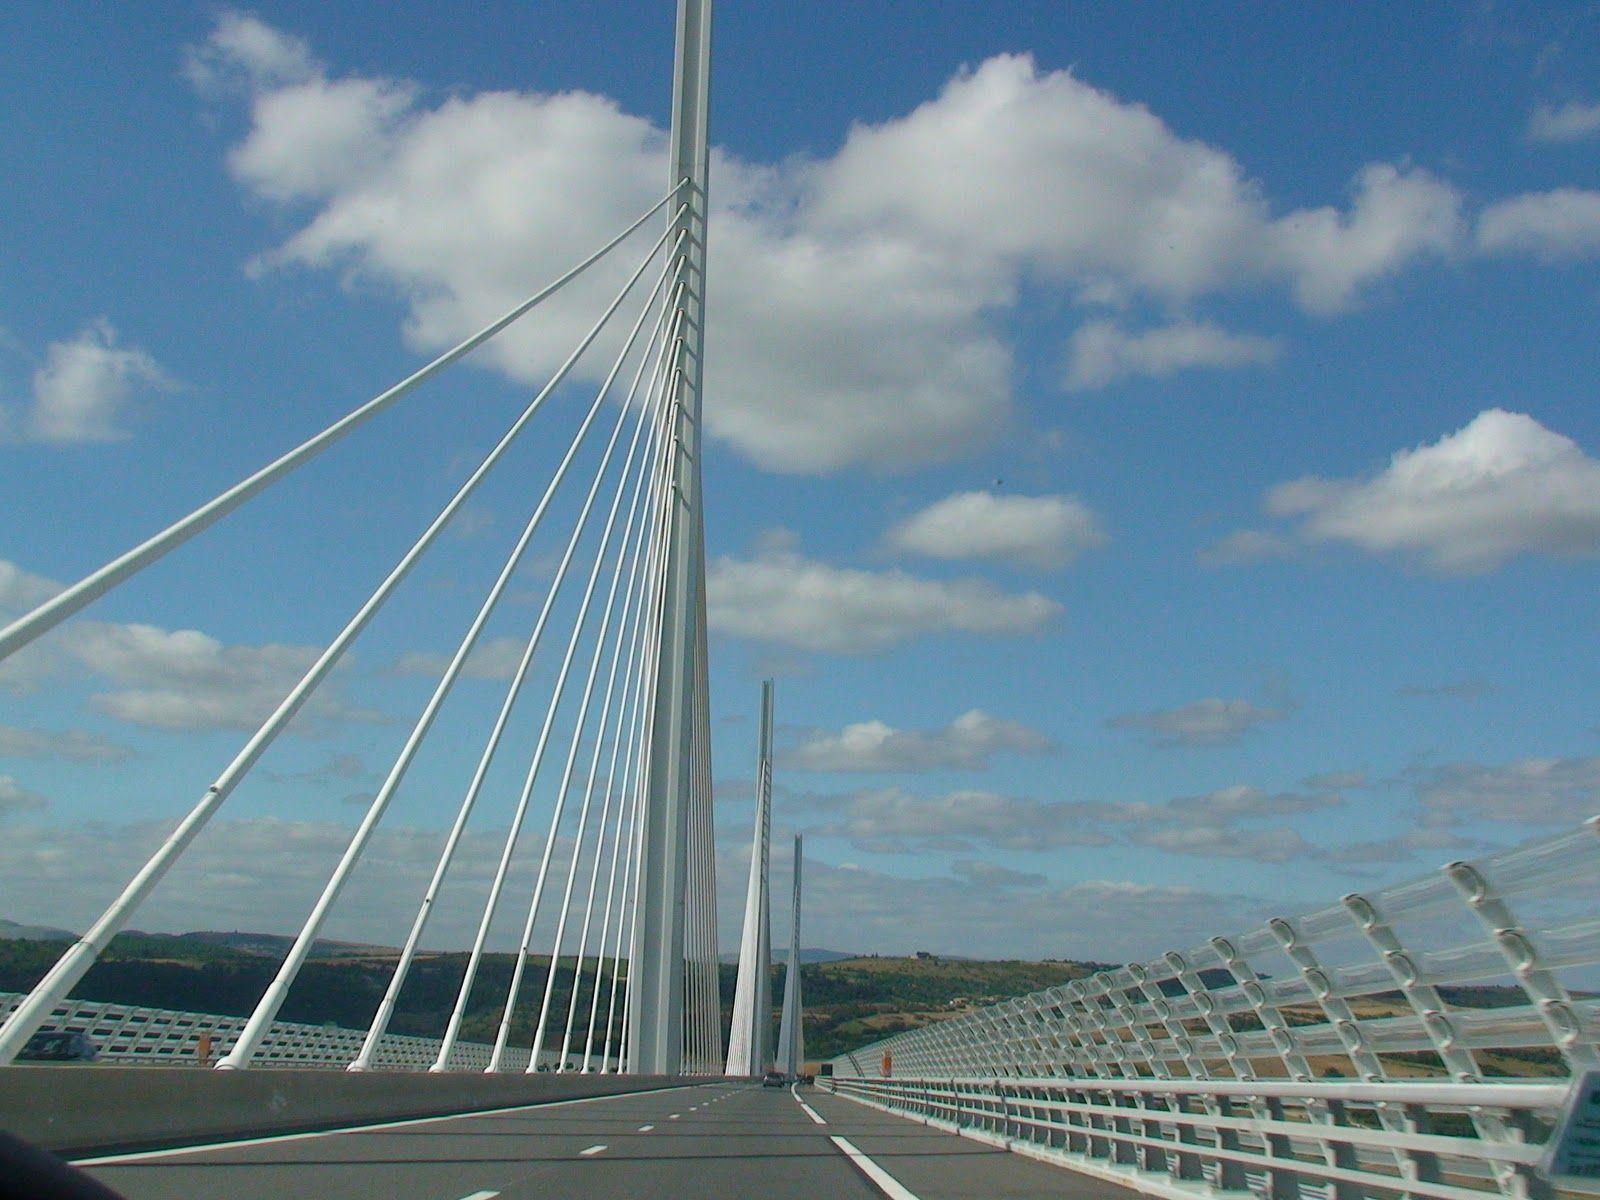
[(1416, 1040), (127, 1035)]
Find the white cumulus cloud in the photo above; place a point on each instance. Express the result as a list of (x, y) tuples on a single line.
[(243, 51), (1569, 122), (783, 597), (1026, 531), (1228, 823), (169, 679), (858, 301), (1103, 352), (1531, 791), (1239, 821), (1503, 485), (82, 390), (1396, 215), (494, 658), (896, 821), (22, 590), (1043, 168), (1564, 223), (966, 743), (16, 798)]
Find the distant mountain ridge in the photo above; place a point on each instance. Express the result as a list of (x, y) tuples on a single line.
[(276, 945), (272, 945), (269, 945), (35, 933), (807, 955)]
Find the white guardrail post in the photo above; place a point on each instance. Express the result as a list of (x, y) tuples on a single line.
[(1416, 1042)]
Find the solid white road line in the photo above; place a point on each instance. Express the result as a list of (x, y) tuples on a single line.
[(481, 1196), (141, 1156), (880, 1179), (812, 1113), (591, 1150)]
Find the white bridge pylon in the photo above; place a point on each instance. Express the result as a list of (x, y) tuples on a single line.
[(750, 1034), (627, 650)]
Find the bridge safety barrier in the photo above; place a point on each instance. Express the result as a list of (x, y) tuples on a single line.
[(127, 1035), (1416, 1040)]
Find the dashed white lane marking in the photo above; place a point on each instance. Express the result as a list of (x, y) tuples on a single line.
[(591, 1150), (673, 1117), (812, 1113), (481, 1196), (111, 1159), (646, 1128), (880, 1179)]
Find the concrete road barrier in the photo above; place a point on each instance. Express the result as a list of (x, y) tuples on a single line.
[(80, 1110)]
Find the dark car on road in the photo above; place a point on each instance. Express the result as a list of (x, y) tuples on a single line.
[(58, 1046), (774, 1079)]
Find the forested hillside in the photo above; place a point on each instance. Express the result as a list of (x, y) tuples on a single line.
[(848, 1002)]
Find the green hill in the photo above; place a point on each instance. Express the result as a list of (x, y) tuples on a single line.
[(199, 974), (849, 1001), (855, 1001)]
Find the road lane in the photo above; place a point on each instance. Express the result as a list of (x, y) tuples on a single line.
[(759, 1145), (728, 1140), (933, 1164)]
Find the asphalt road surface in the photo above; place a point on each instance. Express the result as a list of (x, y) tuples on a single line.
[(714, 1142)]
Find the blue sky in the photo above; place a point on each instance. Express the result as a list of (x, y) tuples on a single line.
[(1154, 448)]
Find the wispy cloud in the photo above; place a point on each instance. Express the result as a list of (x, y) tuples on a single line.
[(785, 598), (1103, 352), (1570, 122), (1466, 689), (1212, 721), (68, 745), (967, 743)]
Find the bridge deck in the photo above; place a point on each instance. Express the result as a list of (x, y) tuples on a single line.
[(726, 1140)]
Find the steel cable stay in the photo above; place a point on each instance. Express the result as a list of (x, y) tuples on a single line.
[(712, 1057), (623, 909), (702, 895), (91, 587), (694, 932), (637, 626), (636, 527), (491, 745), (633, 801), (629, 788), (632, 874), (625, 814), (385, 1010), (558, 692), (611, 831), (633, 787), (72, 965), (649, 675), (579, 725), (271, 1001), (492, 904)]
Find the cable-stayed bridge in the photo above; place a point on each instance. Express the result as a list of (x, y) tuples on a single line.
[(1415, 1041)]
